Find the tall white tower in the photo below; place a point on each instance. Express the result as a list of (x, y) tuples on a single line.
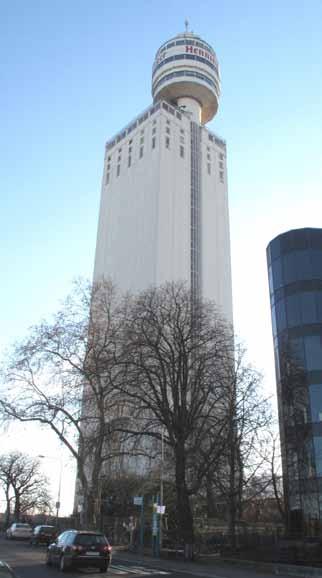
[(164, 208)]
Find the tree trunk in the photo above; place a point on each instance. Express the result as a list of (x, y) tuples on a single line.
[(185, 518), (7, 514), (211, 504), (232, 489), (17, 507)]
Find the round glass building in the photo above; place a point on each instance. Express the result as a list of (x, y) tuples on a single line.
[(295, 281)]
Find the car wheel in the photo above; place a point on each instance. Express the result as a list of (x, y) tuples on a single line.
[(62, 564), (49, 561)]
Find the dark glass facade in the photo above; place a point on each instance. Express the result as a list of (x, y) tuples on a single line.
[(295, 281)]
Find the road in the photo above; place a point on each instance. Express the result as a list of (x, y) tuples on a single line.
[(29, 562)]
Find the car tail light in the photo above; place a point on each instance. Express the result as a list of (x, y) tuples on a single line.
[(77, 548)]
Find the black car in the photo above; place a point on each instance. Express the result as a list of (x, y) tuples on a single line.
[(75, 548), (43, 535)]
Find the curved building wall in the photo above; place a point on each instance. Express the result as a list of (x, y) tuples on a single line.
[(295, 280)]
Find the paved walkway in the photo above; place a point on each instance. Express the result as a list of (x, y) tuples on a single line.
[(208, 566)]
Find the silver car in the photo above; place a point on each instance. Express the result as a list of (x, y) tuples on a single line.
[(6, 571), (19, 530)]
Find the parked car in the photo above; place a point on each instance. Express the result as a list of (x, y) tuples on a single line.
[(6, 571), (43, 535), (19, 530), (75, 548)]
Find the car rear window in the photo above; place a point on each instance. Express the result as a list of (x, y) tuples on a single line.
[(22, 526), (90, 539)]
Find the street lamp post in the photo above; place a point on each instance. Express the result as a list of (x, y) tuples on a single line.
[(161, 491), (57, 504)]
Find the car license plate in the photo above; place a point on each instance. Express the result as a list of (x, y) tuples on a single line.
[(92, 553)]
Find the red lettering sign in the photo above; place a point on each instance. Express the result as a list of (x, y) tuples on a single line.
[(203, 53)]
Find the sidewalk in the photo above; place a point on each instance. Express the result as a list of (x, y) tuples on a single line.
[(208, 566)]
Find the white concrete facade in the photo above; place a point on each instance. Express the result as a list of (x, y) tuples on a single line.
[(145, 233)]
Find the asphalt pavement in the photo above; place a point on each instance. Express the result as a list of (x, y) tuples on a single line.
[(29, 562)]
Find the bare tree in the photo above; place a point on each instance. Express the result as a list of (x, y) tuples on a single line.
[(24, 484), (173, 352), (246, 416), (63, 376)]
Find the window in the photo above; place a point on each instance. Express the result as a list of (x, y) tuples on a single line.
[(280, 313), (141, 152), (221, 165), (296, 266), (118, 170), (297, 350), (90, 539), (182, 151), (182, 139), (142, 131), (130, 150), (119, 158), (316, 258), (141, 140), (167, 142), (277, 274), (208, 168), (129, 161), (318, 297), (316, 401), (308, 307), (154, 130), (120, 150), (107, 179), (221, 176), (153, 142), (167, 121), (167, 130), (182, 131), (318, 455), (293, 310), (221, 156), (313, 352), (108, 159)]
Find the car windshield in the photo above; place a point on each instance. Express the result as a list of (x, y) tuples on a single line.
[(47, 529), (90, 539)]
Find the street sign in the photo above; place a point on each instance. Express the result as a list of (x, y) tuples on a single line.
[(138, 500)]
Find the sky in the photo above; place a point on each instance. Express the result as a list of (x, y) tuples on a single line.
[(73, 74)]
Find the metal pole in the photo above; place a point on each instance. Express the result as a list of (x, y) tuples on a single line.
[(161, 492), (59, 491), (142, 526)]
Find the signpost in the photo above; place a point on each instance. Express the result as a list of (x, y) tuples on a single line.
[(139, 501)]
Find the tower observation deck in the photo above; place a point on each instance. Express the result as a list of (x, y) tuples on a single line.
[(186, 73)]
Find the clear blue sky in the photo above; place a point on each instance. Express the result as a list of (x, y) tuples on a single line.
[(73, 72)]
